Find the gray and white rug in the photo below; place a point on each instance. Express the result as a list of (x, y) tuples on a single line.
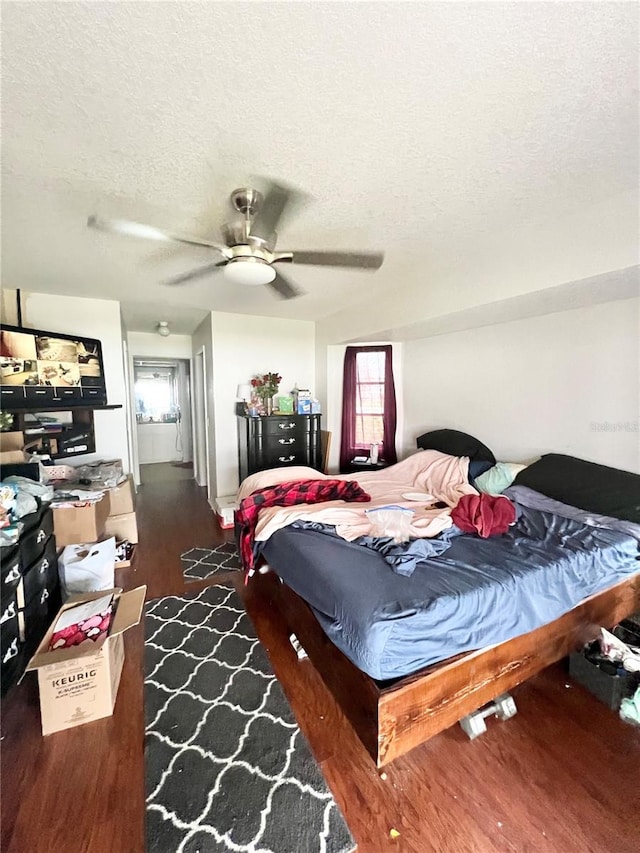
[(227, 768), (201, 563)]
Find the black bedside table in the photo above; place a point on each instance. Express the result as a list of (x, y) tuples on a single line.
[(358, 467)]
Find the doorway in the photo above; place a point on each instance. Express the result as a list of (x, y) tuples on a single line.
[(162, 393)]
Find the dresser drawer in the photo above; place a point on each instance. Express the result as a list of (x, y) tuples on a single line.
[(9, 555), (11, 574), (37, 617), (278, 444), (13, 660), (38, 527), (11, 623), (284, 427), (284, 457), (43, 571)]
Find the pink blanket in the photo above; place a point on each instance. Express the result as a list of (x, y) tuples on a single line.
[(427, 471)]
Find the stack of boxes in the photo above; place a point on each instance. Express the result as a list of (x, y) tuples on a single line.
[(121, 520), (304, 403), (113, 515), (80, 684)]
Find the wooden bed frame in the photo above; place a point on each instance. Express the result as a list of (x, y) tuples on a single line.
[(392, 718)]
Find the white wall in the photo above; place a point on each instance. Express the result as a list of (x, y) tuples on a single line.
[(565, 383), (157, 443), (94, 318), (243, 346), (152, 345)]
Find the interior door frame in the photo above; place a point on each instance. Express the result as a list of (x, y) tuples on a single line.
[(200, 419)]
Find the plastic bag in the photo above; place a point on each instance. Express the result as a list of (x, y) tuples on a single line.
[(391, 521), (616, 650), (87, 568), (107, 474)]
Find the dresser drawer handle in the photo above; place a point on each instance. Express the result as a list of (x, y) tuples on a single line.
[(287, 458), (286, 441), (44, 596), (13, 575), (290, 425), (9, 613), (44, 565), (42, 535), (12, 651)]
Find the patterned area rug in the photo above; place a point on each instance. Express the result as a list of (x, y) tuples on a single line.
[(201, 563), (227, 768)]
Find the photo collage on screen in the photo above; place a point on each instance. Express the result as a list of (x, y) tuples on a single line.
[(46, 361)]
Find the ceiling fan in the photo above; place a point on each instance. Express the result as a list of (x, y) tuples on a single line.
[(248, 255)]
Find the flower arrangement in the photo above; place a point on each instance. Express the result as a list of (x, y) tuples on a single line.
[(266, 386)]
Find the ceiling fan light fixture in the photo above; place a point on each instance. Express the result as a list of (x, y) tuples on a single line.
[(251, 271), (163, 328)]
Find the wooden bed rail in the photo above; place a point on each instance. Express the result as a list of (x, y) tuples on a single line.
[(391, 720)]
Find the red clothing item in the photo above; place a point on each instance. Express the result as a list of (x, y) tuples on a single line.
[(288, 494), (486, 515)]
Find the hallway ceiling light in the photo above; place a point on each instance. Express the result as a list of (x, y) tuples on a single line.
[(163, 328)]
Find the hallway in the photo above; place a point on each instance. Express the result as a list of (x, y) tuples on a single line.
[(560, 776)]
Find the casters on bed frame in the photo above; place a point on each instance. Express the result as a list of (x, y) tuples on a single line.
[(503, 706), (295, 642)]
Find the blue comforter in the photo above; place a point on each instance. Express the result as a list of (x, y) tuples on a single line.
[(477, 593)]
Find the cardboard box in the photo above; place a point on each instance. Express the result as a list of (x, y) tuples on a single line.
[(77, 524), (122, 526), (123, 497), (225, 508), (11, 441), (125, 564), (80, 684), (11, 444)]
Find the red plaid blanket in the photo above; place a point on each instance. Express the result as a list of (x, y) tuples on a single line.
[(288, 494)]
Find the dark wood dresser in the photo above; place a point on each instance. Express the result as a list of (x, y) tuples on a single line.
[(277, 441)]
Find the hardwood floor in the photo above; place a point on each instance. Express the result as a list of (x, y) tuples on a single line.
[(562, 775)]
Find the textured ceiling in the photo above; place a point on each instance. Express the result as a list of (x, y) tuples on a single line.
[(410, 127)]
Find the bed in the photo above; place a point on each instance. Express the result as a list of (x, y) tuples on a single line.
[(409, 654)]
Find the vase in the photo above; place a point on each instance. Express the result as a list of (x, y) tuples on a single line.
[(268, 405)]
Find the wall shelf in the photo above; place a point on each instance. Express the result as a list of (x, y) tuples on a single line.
[(74, 436)]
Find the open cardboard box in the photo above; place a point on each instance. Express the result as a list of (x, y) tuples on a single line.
[(123, 526), (80, 684)]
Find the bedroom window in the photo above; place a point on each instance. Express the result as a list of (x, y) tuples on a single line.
[(368, 403)]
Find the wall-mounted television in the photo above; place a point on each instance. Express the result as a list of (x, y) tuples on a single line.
[(41, 370)]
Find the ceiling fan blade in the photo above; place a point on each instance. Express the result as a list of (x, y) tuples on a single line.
[(283, 287), (270, 211), (361, 260), (197, 273), (149, 232)]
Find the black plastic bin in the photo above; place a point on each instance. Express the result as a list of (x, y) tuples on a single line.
[(607, 687)]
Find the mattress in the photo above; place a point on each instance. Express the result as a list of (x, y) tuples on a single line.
[(477, 593)]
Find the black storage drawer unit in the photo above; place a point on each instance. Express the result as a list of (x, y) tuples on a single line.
[(276, 441), (30, 592)]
